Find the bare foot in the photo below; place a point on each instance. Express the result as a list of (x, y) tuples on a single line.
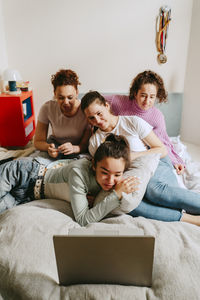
[(192, 219)]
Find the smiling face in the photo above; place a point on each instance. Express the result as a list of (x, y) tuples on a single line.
[(66, 96), (146, 96), (109, 172), (99, 115)]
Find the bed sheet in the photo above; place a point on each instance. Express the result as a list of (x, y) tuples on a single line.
[(191, 175), (27, 260), (28, 267)]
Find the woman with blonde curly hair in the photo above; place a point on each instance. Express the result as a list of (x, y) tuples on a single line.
[(70, 131)]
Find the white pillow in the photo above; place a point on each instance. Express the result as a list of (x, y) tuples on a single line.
[(142, 167)]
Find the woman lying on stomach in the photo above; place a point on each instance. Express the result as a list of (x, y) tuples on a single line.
[(164, 200), (22, 181)]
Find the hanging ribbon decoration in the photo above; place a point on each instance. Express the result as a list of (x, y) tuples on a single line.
[(162, 32)]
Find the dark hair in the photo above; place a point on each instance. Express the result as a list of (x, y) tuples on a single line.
[(115, 146), (145, 78), (91, 97), (65, 77)]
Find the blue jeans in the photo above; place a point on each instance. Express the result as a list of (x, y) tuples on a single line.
[(17, 181), (164, 199)]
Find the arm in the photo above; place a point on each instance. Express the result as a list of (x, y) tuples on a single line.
[(156, 146), (83, 146), (127, 186), (40, 140), (69, 148), (159, 127), (94, 143)]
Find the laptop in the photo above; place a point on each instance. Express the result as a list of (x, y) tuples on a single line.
[(104, 258)]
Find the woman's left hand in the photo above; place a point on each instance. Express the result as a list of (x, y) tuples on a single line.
[(66, 148), (90, 199), (179, 169), (127, 185)]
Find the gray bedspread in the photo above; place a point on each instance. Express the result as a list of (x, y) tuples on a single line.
[(28, 267)]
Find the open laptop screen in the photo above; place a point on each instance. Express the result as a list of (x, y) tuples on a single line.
[(126, 260)]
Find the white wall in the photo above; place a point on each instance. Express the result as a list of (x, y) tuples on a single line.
[(3, 53), (107, 42), (191, 110)]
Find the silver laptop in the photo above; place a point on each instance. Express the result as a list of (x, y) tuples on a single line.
[(107, 259)]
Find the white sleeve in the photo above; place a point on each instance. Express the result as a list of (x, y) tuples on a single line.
[(94, 143), (142, 127)]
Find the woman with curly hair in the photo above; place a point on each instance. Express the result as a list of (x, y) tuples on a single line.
[(70, 131), (147, 88), (163, 199)]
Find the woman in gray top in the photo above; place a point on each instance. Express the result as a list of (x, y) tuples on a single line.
[(24, 180)]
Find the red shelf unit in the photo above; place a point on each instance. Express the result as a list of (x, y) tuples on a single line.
[(17, 119)]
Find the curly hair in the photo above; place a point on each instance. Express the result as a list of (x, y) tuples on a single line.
[(151, 78), (65, 77)]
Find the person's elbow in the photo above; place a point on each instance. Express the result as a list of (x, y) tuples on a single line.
[(163, 151), (35, 142), (82, 221), (40, 144)]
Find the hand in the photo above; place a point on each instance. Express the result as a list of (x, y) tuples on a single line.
[(179, 169), (66, 148), (52, 151), (127, 185), (90, 199)]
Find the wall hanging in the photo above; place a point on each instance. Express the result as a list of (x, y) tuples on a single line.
[(163, 21)]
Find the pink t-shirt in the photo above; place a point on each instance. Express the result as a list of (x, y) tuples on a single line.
[(122, 105), (64, 129)]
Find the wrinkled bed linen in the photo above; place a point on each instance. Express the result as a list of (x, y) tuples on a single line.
[(15, 153), (28, 267), (27, 260), (191, 175)]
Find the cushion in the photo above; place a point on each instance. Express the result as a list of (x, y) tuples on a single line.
[(142, 167)]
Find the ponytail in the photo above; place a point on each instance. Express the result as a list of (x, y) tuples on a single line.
[(115, 146)]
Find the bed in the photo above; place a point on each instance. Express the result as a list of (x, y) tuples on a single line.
[(27, 261)]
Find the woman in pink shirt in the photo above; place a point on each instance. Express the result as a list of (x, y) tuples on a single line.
[(146, 88), (70, 130)]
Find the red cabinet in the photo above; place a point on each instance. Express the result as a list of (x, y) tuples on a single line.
[(17, 119)]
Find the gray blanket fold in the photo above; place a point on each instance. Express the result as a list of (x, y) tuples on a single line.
[(28, 267)]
